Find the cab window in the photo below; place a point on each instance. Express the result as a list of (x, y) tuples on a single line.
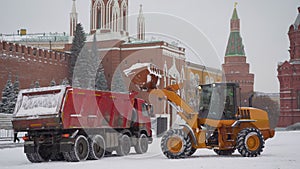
[(145, 110)]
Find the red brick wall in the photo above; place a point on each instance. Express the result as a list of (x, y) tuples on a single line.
[(31, 64), (237, 70)]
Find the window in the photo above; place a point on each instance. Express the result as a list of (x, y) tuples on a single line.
[(145, 110), (99, 19), (40, 52), (10, 48), (34, 52)]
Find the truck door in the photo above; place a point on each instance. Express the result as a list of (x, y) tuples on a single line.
[(143, 116)]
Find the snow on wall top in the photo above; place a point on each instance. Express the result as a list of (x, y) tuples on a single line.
[(44, 102)]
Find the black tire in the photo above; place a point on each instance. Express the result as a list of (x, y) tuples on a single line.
[(108, 153), (189, 150), (57, 157), (42, 154), (97, 147), (250, 142), (224, 152), (141, 146), (80, 150), (174, 145), (124, 146)]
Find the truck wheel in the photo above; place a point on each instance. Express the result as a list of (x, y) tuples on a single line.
[(250, 142), (141, 146), (124, 145), (80, 150), (173, 144), (97, 147), (224, 152), (57, 157), (41, 155), (108, 153)]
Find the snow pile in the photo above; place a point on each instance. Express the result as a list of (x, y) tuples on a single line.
[(295, 126), (39, 101)]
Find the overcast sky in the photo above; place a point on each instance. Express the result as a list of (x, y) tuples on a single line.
[(264, 27)]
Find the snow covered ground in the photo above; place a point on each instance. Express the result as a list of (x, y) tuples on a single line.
[(281, 152)]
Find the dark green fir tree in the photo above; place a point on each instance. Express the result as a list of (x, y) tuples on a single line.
[(77, 45)]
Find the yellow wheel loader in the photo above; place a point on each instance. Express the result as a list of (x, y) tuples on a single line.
[(219, 123)]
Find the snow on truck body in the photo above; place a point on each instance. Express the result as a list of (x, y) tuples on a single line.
[(37, 107), (60, 119)]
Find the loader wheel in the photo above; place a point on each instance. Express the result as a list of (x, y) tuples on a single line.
[(190, 153), (173, 144), (41, 155), (141, 146), (80, 150), (124, 145), (250, 142), (97, 147), (224, 152), (189, 150)]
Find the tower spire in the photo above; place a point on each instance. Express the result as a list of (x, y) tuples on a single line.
[(235, 67), (73, 18), (141, 24), (235, 45), (235, 21)]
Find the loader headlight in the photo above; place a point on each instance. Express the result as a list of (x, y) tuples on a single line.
[(199, 88)]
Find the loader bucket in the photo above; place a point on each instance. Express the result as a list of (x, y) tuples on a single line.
[(145, 76)]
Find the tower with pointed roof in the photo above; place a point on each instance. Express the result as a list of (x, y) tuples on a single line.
[(235, 67), (289, 79), (141, 25), (109, 18), (73, 19)]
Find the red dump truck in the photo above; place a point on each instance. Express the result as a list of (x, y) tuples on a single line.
[(65, 123)]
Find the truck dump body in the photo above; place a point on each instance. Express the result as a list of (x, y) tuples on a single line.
[(96, 109), (65, 123), (69, 108)]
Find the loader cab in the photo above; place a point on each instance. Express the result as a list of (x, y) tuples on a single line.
[(218, 100)]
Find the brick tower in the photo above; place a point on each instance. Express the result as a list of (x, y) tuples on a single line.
[(289, 78), (235, 67)]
